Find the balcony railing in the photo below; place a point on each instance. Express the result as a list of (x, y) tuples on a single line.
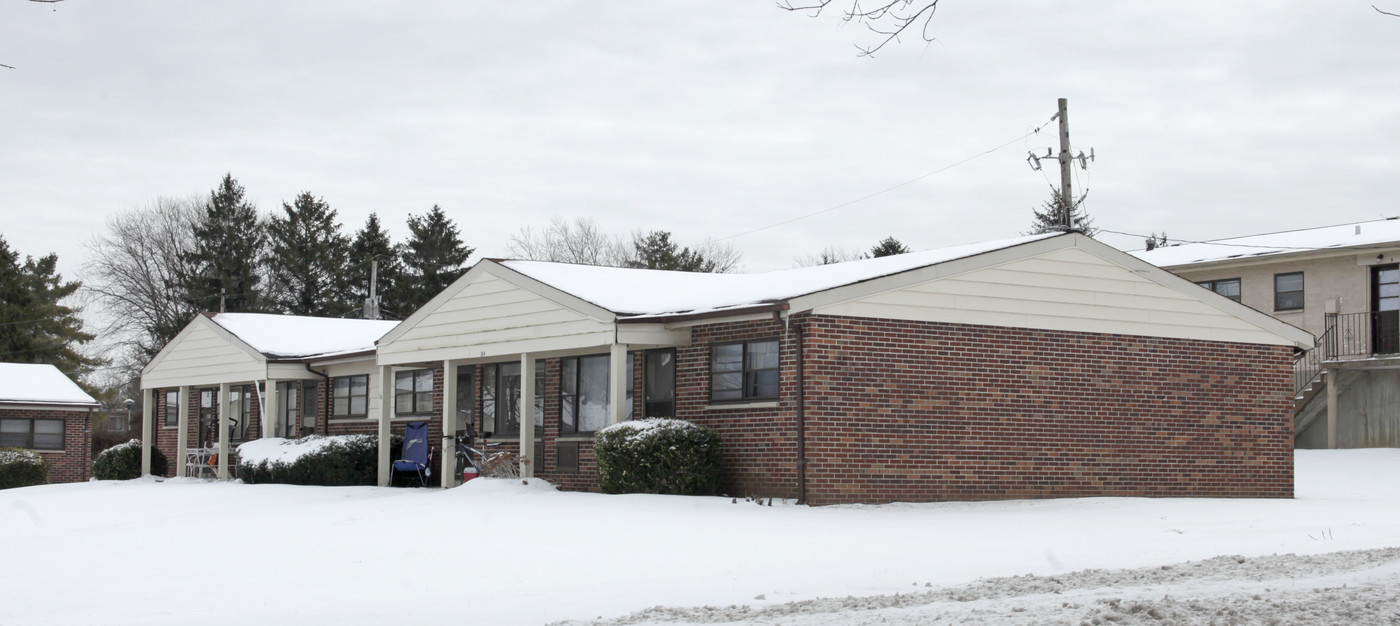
[(1349, 335)]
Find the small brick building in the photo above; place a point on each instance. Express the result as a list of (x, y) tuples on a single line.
[(41, 409), (1045, 366)]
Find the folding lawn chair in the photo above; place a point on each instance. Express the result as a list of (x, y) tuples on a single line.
[(415, 452)]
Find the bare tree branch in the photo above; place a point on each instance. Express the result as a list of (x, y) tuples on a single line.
[(889, 18), (1378, 10)]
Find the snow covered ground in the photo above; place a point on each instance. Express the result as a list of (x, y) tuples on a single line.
[(498, 552)]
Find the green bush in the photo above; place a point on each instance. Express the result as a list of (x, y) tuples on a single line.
[(336, 461), (658, 456), (22, 468), (123, 462)]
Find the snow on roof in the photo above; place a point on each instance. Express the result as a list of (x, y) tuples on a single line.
[(297, 336), (637, 292), (39, 383), (1341, 236)]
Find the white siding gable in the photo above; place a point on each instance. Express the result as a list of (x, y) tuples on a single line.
[(490, 316), (1068, 289), (203, 355)]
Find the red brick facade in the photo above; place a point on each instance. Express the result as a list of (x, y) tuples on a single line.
[(74, 463), (923, 411)]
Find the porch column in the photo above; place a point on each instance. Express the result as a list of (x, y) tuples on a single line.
[(1332, 409), (148, 431), (386, 413), (223, 431), (269, 411), (617, 384), (182, 426), (527, 415), (449, 424)]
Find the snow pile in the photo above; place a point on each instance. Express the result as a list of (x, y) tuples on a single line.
[(39, 383), (279, 451)]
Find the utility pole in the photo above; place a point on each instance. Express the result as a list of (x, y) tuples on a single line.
[(1066, 194), (1066, 160), (372, 303)]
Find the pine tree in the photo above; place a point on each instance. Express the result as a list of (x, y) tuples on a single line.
[(34, 326), (656, 251), (433, 257), (228, 249), (1050, 217), (889, 246), (307, 260), (372, 243)]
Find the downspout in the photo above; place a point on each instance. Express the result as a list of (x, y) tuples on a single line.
[(801, 424), (322, 397)]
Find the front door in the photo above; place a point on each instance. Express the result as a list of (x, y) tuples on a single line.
[(1385, 309), (466, 399), (659, 383)]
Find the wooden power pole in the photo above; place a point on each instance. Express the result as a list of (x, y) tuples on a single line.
[(1066, 159)]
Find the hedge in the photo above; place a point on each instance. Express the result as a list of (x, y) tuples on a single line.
[(123, 462), (22, 468), (658, 455), (334, 461)]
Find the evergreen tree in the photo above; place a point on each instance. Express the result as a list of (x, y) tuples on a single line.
[(432, 258), (656, 251), (372, 243), (889, 246), (228, 245), (34, 326), (1050, 217), (307, 260)]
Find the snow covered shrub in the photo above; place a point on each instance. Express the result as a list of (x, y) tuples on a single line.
[(658, 455), (334, 461), (22, 468), (123, 462)]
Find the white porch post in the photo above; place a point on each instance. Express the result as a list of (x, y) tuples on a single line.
[(182, 427), (148, 431), (386, 413), (527, 415), (617, 384), (269, 412), (449, 424), (223, 431)]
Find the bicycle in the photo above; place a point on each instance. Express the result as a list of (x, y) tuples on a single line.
[(499, 464)]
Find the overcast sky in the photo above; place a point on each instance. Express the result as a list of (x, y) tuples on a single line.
[(708, 118)]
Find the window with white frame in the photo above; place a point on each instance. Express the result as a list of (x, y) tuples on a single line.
[(584, 392)]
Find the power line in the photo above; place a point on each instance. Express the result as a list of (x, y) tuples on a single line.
[(1247, 245), (940, 170)]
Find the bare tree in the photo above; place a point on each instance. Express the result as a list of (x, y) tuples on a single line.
[(1378, 10), (726, 258), (828, 256), (136, 271), (888, 19), (563, 241)]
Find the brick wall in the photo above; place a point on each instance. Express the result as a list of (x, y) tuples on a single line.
[(74, 463), (919, 411)]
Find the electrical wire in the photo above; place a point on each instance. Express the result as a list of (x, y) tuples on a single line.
[(911, 181)]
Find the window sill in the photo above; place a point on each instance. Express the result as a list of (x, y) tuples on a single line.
[(45, 451), (766, 404), (1300, 310), (349, 420), (576, 438)]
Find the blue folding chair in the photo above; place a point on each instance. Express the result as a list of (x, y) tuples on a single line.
[(415, 452)]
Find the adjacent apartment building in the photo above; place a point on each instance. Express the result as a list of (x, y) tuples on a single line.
[(1342, 284)]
